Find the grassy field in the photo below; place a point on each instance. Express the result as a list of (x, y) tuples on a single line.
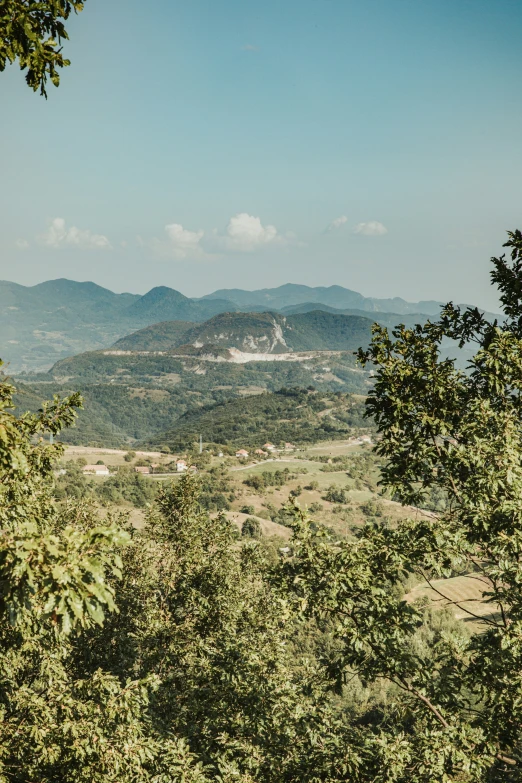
[(336, 448), (341, 518), (464, 595), (113, 457)]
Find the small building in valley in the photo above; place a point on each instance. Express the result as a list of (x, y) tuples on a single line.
[(269, 447), (181, 466), (242, 453), (97, 470), (142, 469)]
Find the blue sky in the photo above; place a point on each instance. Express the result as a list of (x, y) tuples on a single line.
[(375, 144)]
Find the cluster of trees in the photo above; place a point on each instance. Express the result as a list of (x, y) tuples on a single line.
[(120, 413), (289, 414), (266, 479), (123, 486), (127, 486), (216, 489), (335, 494)]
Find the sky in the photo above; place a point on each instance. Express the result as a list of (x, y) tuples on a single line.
[(374, 144)]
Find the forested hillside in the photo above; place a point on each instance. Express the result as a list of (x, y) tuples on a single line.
[(162, 336), (257, 333), (297, 416)]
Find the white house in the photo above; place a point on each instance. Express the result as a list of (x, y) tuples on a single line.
[(181, 466), (98, 470), (269, 447), (241, 453)]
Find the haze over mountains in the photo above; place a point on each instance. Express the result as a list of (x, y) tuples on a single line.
[(334, 296), (43, 323)]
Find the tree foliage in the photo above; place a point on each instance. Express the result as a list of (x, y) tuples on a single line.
[(31, 31), (459, 714), (191, 679)]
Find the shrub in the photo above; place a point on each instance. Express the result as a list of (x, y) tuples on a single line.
[(335, 494), (251, 528)]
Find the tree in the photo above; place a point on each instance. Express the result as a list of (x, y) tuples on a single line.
[(58, 569), (31, 31), (198, 613), (251, 528), (194, 678), (458, 701)]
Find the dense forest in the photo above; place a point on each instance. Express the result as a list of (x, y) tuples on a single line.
[(292, 415), (120, 414)]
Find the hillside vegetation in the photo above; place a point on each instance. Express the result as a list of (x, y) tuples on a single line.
[(257, 333), (297, 416), (158, 337)]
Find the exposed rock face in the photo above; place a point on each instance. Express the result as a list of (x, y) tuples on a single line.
[(250, 333)]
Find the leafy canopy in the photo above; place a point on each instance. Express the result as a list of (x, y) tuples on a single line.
[(459, 710), (31, 31)]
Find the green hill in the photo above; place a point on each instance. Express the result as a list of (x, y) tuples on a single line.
[(257, 333), (294, 415), (322, 331), (113, 415), (43, 323), (159, 337), (189, 369), (162, 303)]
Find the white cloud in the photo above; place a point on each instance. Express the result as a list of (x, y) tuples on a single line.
[(337, 223), (180, 242), (371, 229), (57, 235), (246, 233), (183, 243), (22, 244)]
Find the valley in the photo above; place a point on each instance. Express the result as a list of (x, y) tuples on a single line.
[(268, 380)]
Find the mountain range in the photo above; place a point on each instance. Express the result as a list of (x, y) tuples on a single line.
[(43, 323), (335, 296)]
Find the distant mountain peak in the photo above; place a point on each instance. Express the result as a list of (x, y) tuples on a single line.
[(162, 292)]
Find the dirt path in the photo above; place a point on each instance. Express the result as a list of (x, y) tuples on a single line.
[(121, 452), (263, 462)]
